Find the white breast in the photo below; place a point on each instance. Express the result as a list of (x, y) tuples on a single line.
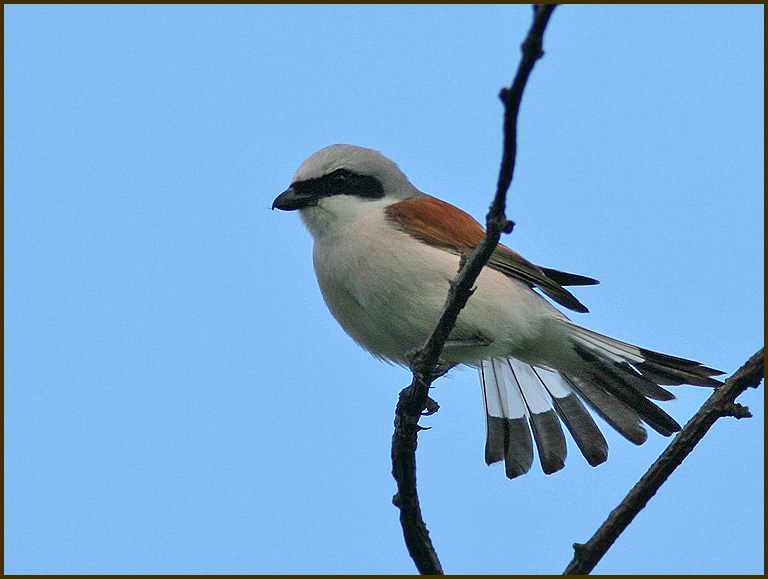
[(387, 291)]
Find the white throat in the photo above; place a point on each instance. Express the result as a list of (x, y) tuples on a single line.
[(332, 215)]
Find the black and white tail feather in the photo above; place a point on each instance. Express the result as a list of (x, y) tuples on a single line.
[(525, 403), (383, 253)]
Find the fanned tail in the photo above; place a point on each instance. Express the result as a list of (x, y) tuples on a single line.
[(521, 400), (654, 367), (525, 403)]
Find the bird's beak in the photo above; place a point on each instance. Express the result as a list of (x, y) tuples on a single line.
[(291, 200)]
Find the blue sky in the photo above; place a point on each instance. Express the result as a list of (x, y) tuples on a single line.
[(179, 400)]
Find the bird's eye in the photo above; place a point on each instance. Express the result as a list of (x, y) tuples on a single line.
[(340, 176)]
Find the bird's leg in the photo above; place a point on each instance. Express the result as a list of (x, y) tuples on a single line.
[(442, 368), (431, 407)]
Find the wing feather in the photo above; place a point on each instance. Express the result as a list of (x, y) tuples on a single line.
[(424, 219)]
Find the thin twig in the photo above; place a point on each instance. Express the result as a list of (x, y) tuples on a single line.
[(721, 403), (414, 399)]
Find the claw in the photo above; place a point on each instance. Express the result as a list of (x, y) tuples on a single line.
[(442, 369), (430, 408)]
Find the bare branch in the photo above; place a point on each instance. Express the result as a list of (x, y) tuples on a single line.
[(721, 403), (414, 399)]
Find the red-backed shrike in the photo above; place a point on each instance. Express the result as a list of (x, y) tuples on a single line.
[(384, 256)]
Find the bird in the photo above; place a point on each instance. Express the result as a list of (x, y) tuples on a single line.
[(384, 255)]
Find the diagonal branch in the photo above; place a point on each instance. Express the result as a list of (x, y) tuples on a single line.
[(414, 399), (721, 403)]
